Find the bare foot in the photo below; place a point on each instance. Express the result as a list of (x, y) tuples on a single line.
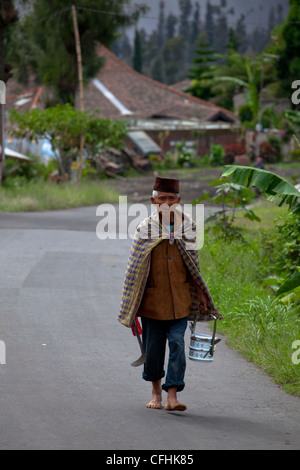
[(175, 406), (155, 402), (172, 402)]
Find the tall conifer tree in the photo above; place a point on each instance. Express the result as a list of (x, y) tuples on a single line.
[(200, 73), (53, 51), (137, 54)]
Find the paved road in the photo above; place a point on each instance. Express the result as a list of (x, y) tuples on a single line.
[(67, 382)]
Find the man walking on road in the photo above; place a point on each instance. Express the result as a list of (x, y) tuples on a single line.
[(163, 285)]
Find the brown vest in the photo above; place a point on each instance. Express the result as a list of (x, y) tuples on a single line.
[(167, 294)]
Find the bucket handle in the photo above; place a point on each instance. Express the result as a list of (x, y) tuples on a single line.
[(213, 342), (213, 337)]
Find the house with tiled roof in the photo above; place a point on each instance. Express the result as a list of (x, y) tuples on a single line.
[(24, 97), (166, 114)]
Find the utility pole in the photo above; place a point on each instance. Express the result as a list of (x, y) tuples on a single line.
[(80, 80)]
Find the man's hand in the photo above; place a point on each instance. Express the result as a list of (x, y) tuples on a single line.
[(202, 295), (204, 299)]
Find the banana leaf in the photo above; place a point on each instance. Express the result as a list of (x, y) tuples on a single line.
[(290, 284), (272, 185)]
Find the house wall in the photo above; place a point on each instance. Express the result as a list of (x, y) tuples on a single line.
[(198, 140)]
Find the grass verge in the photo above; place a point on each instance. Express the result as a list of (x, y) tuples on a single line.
[(257, 324), (38, 196)]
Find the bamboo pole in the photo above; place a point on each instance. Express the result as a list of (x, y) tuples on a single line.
[(80, 80)]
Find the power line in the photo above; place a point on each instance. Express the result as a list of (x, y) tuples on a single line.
[(105, 12), (51, 15)]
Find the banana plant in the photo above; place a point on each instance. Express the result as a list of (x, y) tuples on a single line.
[(250, 85), (291, 284), (273, 186), (229, 197)]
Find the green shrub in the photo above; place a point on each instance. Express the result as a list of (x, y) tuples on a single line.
[(184, 156), (29, 171), (276, 144), (295, 155), (257, 324), (245, 113), (216, 155), (287, 244)]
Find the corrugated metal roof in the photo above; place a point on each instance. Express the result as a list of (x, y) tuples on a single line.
[(144, 143), (178, 125), (16, 155)]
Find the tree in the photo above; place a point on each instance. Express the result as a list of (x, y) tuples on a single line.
[(233, 43), (221, 34), (172, 54), (161, 25), (8, 16), (201, 72), (195, 26), (241, 33), (150, 50), (53, 52), (272, 19), (209, 23), (156, 71), (137, 55), (243, 73), (288, 65), (171, 25), (122, 46), (258, 39), (280, 17), (185, 7), (62, 125)]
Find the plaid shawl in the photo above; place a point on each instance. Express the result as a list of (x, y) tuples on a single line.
[(148, 234)]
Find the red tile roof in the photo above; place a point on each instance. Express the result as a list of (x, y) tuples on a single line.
[(182, 86), (24, 97), (125, 90), (143, 96)]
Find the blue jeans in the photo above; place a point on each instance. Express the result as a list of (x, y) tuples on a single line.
[(155, 335)]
